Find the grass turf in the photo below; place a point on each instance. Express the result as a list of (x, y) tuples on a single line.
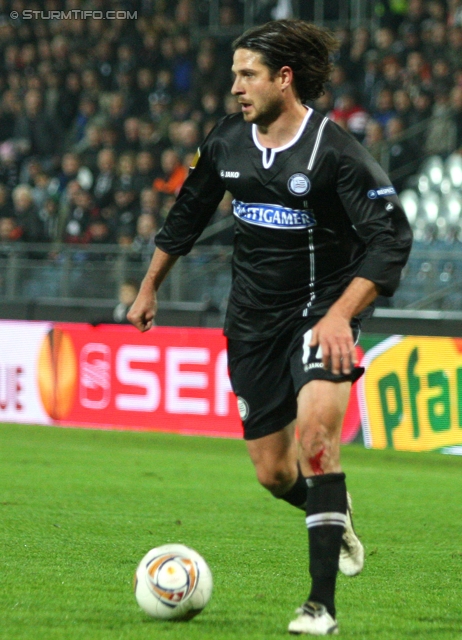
[(78, 510)]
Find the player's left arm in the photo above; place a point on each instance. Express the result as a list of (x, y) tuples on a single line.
[(379, 220)]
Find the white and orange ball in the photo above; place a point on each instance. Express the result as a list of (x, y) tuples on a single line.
[(173, 582)]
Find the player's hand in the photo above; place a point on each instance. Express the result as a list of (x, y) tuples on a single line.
[(335, 337), (143, 310)]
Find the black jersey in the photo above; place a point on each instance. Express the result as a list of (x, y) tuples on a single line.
[(309, 217)]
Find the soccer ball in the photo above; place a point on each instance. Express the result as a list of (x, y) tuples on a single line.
[(173, 582)]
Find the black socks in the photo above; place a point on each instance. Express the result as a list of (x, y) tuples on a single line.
[(326, 509), (296, 496)]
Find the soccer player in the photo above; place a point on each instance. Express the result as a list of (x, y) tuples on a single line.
[(319, 233)]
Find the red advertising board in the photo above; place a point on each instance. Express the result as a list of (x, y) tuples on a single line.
[(169, 379), (113, 377)]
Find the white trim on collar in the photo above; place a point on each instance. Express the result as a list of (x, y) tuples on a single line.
[(268, 155)]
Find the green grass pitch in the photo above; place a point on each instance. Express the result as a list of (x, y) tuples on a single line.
[(79, 509)]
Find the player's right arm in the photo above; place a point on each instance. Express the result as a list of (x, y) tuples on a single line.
[(144, 309), (196, 203)]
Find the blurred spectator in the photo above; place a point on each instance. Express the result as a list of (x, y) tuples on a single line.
[(403, 159), (144, 241), (435, 44), (188, 138), (403, 106), (110, 137), (103, 61), (351, 114), (417, 73), (26, 214), (86, 115), (41, 189), (10, 108), (150, 138), (68, 100), (415, 15), (210, 106), (98, 231), (374, 139), (392, 73), (145, 87), (48, 214), (173, 173), (9, 230), (126, 169), (6, 205), (204, 74), (360, 45), (124, 238), (182, 64), (384, 107), (127, 293), (125, 210), (145, 171), (368, 85), (9, 165), (411, 40), (454, 50), (42, 135), (441, 135), (131, 132), (69, 170), (456, 115), (80, 211), (105, 179), (89, 147), (339, 82), (117, 112), (387, 44), (422, 105), (441, 76), (149, 203)]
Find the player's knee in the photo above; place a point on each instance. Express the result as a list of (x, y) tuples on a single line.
[(276, 480)]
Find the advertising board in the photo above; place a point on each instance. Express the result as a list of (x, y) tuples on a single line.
[(176, 379)]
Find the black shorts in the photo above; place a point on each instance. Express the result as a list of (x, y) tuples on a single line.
[(267, 376)]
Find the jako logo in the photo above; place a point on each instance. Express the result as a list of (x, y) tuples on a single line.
[(229, 174)]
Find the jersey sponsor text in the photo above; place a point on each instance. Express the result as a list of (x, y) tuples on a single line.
[(273, 215)]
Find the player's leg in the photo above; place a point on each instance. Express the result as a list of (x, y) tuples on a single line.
[(261, 379), (322, 401), (321, 407), (275, 458)]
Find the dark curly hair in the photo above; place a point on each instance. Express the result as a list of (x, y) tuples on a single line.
[(302, 46)]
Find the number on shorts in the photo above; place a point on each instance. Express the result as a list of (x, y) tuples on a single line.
[(307, 348)]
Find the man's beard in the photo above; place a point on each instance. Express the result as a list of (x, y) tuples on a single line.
[(270, 113)]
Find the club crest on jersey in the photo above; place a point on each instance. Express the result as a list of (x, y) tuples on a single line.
[(299, 184), (273, 215), (381, 192)]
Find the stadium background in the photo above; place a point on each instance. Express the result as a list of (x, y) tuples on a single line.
[(99, 119)]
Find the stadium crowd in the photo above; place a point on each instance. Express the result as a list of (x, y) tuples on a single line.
[(100, 119)]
